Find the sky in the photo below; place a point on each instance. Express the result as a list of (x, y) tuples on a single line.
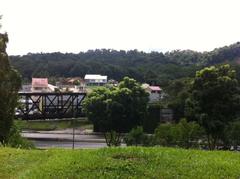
[(35, 26)]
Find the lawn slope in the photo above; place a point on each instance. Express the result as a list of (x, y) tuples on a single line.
[(131, 162)]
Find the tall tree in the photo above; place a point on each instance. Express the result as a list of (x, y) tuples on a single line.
[(178, 92), (215, 100), (117, 109), (10, 83)]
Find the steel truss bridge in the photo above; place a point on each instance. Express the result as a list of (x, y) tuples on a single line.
[(49, 105)]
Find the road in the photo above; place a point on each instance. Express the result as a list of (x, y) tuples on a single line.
[(63, 137), (53, 139), (66, 144)]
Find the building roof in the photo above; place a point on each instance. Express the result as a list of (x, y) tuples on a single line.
[(155, 88), (145, 85), (72, 80), (52, 87), (95, 77), (39, 82)]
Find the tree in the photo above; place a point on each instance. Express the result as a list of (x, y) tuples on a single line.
[(95, 107), (10, 83), (178, 92), (117, 109), (134, 102), (214, 101)]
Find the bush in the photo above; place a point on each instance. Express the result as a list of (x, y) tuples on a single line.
[(232, 135), (165, 135), (184, 134), (112, 138), (137, 137), (16, 140), (188, 134)]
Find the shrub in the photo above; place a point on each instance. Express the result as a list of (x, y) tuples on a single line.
[(184, 134), (112, 138), (232, 135), (165, 134), (188, 133), (149, 140), (135, 136), (16, 140)]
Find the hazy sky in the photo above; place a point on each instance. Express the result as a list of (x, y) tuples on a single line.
[(79, 25)]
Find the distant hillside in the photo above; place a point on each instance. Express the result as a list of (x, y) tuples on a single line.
[(154, 67)]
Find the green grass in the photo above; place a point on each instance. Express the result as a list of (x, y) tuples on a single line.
[(118, 163), (53, 125)]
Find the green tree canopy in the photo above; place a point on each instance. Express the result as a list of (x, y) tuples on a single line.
[(178, 92), (118, 109), (215, 100)]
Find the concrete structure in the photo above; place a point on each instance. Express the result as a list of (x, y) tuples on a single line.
[(155, 92), (95, 80)]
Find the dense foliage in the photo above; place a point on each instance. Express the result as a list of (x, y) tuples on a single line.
[(214, 100), (137, 137), (154, 67), (117, 109), (183, 134), (10, 83)]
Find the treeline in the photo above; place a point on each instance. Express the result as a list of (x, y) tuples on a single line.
[(207, 107), (154, 67)]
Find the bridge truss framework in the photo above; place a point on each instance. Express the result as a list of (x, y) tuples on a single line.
[(50, 105)]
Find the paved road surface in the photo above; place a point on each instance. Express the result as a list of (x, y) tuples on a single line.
[(66, 144), (63, 137), (53, 139), (59, 139)]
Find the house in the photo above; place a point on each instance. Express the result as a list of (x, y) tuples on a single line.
[(95, 80), (75, 84), (40, 85), (155, 92)]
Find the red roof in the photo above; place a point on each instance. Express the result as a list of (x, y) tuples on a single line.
[(39, 82), (155, 88)]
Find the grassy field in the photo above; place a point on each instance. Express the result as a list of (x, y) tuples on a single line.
[(53, 125), (118, 163)]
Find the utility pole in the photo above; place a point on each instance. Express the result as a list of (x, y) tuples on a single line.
[(73, 132)]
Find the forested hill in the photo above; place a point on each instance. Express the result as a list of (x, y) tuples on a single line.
[(154, 67)]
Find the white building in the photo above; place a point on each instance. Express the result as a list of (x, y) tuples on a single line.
[(155, 92), (95, 80)]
